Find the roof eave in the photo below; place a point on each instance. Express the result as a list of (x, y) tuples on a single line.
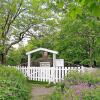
[(42, 49)]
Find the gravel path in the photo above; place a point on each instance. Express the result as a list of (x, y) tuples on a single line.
[(39, 92)]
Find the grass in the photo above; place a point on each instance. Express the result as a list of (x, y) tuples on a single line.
[(38, 82), (84, 86), (41, 83), (75, 77), (13, 85), (76, 86)]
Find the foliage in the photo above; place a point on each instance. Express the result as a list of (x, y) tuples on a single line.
[(91, 94), (13, 85), (55, 96), (72, 28), (86, 94), (84, 86), (20, 19), (75, 77), (38, 82), (79, 35), (70, 42), (50, 85), (78, 23), (16, 56), (85, 62), (98, 63)]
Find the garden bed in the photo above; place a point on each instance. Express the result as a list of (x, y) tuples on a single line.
[(78, 86)]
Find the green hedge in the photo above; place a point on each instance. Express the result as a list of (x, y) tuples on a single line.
[(13, 85)]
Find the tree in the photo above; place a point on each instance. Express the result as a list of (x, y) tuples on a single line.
[(72, 27), (79, 24), (83, 21), (19, 18), (13, 25), (16, 56)]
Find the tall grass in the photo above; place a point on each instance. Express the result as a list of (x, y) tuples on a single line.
[(79, 86), (13, 85), (75, 77)]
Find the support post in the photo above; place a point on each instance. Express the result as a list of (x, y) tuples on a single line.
[(54, 60), (54, 66), (29, 60)]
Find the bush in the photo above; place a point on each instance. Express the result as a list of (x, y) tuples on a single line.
[(98, 63), (55, 96), (91, 94), (85, 62), (79, 86), (50, 85), (76, 61), (85, 94), (13, 85), (38, 82), (74, 77)]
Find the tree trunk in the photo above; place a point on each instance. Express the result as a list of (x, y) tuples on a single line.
[(3, 58)]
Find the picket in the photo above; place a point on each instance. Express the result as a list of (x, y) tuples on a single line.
[(48, 74)]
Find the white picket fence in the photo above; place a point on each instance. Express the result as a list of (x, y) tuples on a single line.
[(48, 74)]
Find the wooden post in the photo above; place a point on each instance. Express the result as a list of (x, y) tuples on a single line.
[(29, 60), (54, 60), (54, 65)]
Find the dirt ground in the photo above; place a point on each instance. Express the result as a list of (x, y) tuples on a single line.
[(40, 92)]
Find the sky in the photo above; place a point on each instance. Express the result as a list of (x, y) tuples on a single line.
[(24, 42)]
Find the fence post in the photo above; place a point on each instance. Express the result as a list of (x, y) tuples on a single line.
[(49, 75), (28, 72), (53, 71), (82, 69)]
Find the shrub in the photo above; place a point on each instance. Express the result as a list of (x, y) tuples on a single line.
[(91, 94), (85, 62), (93, 77), (50, 85), (75, 77), (98, 63), (38, 82), (76, 61), (55, 96), (77, 87), (84, 94), (13, 85)]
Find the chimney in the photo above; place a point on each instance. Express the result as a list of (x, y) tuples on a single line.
[(45, 56)]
